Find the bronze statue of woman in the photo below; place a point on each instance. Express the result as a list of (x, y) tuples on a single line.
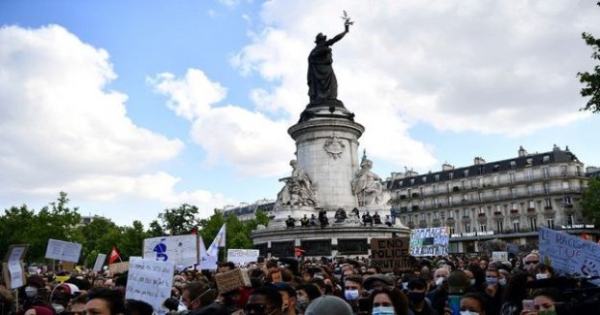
[(322, 84)]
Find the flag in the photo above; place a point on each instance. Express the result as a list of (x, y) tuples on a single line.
[(298, 252), (114, 255), (219, 241), (202, 249)]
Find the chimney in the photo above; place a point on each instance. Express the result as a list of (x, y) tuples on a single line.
[(478, 160), (522, 152), (447, 166)]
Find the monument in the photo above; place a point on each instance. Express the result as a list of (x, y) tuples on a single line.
[(327, 179)]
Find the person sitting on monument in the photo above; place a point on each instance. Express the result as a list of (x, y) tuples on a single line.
[(388, 221), (340, 215), (355, 212), (367, 219), (304, 221), (290, 222), (323, 218), (376, 218), (313, 219)]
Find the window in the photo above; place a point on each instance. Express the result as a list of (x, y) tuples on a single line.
[(516, 226), (434, 188), (513, 192), (412, 181), (424, 178), (563, 170), (546, 159), (483, 227), (565, 185), (533, 223), (500, 226), (529, 162), (531, 204), (513, 164), (547, 203), (550, 222), (568, 200), (546, 172), (467, 228), (451, 229), (466, 173), (437, 177), (530, 174), (512, 177), (530, 189)]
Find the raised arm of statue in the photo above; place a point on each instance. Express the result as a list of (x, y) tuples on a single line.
[(337, 37)]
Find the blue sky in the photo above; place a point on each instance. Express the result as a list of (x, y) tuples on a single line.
[(209, 88)]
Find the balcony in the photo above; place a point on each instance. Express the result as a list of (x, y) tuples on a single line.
[(530, 210)]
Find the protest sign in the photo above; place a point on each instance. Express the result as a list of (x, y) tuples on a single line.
[(231, 280), (150, 281), (181, 250), (429, 242), (569, 254), (208, 263), (500, 256), (16, 252), (241, 257), (99, 262), (13, 274), (67, 266), (119, 267), (62, 250), (391, 254)]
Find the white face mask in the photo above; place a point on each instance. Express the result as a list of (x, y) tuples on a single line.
[(472, 281), (351, 295), (468, 313), (502, 281), (58, 308), (541, 276), (31, 291), (383, 310), (439, 281)]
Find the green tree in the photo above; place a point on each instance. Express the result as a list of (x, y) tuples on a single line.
[(591, 80), (14, 227), (181, 220), (97, 237), (132, 240), (590, 201)]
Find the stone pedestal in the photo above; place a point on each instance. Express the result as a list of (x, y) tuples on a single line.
[(327, 150)]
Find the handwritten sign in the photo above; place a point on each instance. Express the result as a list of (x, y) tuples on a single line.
[(231, 280), (569, 254), (181, 250), (207, 263), (500, 256), (429, 242), (391, 254), (119, 267), (100, 259), (241, 257), (150, 281), (62, 250)]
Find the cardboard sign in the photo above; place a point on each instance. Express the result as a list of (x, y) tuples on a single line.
[(181, 250), (429, 242), (16, 252), (150, 281), (569, 254), (242, 257), (500, 256), (62, 250), (99, 262), (13, 274), (391, 254), (231, 280), (67, 266), (119, 267)]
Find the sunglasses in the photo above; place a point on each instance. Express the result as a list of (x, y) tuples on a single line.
[(531, 262)]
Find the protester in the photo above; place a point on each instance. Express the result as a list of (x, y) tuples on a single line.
[(419, 304), (388, 301), (104, 301), (264, 301), (329, 305)]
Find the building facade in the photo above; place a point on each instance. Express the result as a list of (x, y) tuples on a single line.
[(247, 211), (507, 199)]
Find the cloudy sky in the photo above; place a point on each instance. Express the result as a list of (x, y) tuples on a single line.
[(134, 106)]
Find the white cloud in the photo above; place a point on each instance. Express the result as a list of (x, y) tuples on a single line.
[(251, 142), (61, 129), (503, 67)]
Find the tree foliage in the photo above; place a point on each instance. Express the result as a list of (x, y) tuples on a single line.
[(590, 201), (180, 220), (591, 80)]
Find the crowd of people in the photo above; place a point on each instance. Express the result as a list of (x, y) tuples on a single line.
[(440, 286)]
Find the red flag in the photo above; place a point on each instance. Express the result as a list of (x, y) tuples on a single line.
[(114, 255), (298, 252)]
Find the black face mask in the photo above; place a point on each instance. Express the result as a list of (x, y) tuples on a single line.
[(416, 297)]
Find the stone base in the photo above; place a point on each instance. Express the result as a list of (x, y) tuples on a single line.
[(334, 240)]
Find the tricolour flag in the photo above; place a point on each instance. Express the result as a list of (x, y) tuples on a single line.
[(114, 255)]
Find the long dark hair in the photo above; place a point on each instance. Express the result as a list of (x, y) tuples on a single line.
[(516, 289), (399, 300)]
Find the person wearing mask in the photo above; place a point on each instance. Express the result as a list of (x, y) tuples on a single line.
[(472, 304), (77, 305), (388, 301), (264, 301), (439, 295), (493, 291), (328, 305), (199, 299), (530, 262), (470, 278), (104, 301), (544, 303), (305, 294), (543, 272), (418, 304), (288, 298), (353, 290)]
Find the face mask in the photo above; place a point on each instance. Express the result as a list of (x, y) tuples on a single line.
[(58, 308), (31, 291), (472, 281), (383, 310), (468, 313), (351, 295), (416, 297), (541, 276), (491, 280), (502, 281), (439, 281), (405, 285)]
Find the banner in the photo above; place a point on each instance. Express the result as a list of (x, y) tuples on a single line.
[(181, 250), (569, 254), (241, 257), (391, 254), (63, 250), (99, 262), (500, 256), (150, 281), (429, 242)]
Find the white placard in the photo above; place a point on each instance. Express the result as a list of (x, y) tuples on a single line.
[(99, 262), (181, 250), (150, 281), (500, 256), (15, 270), (16, 253), (208, 263), (429, 242), (242, 257), (63, 250)]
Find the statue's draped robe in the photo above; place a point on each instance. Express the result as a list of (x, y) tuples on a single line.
[(322, 84)]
